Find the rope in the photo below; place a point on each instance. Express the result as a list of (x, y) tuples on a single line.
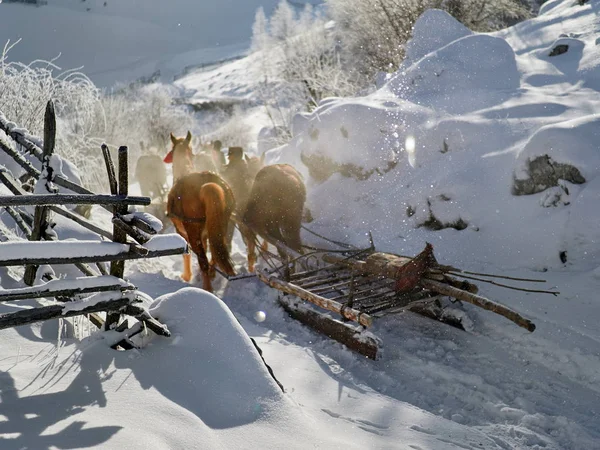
[(507, 286), (340, 244), (457, 272)]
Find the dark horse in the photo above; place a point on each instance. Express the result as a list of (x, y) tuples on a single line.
[(200, 206), (274, 207)]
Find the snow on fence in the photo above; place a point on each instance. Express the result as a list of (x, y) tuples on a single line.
[(134, 236)]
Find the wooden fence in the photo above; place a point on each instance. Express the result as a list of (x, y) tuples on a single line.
[(100, 289)]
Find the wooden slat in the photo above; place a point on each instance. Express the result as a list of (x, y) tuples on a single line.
[(348, 313), (58, 288), (42, 313), (43, 258), (365, 344), (71, 199)]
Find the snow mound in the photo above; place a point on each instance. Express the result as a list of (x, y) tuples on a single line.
[(582, 233), (468, 74), (356, 139), (557, 141), (433, 30), (214, 369)]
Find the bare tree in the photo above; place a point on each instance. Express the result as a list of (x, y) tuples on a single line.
[(373, 32)]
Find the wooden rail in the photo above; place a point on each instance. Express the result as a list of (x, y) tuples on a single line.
[(110, 294)]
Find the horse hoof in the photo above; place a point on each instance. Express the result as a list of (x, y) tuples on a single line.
[(186, 277)]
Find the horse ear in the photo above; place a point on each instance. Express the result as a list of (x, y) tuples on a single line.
[(188, 137), (173, 139), (262, 158)]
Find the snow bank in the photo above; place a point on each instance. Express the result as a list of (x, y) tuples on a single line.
[(433, 30), (214, 369), (467, 74), (573, 142)]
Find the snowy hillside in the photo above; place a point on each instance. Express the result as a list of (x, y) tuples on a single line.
[(450, 138), (483, 145)]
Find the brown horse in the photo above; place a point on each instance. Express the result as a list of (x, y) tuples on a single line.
[(181, 156), (274, 208), (200, 206), (239, 174)]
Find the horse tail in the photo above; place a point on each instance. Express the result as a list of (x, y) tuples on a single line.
[(215, 206)]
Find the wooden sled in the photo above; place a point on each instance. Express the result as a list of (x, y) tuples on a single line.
[(359, 288)]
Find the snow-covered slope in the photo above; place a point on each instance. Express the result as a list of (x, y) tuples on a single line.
[(449, 133)]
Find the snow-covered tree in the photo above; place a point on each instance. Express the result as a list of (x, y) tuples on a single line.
[(283, 22), (260, 32), (373, 32), (303, 53)]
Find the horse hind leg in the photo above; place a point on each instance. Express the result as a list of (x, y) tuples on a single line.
[(250, 240), (195, 239), (211, 266), (186, 275)]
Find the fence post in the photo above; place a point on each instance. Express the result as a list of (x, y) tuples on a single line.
[(117, 268), (42, 213)]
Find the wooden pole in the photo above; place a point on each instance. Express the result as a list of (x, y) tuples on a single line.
[(27, 316), (20, 138), (124, 256), (71, 199), (139, 223), (63, 294), (19, 221), (365, 344), (42, 214), (478, 300), (117, 268), (348, 313), (110, 169), (131, 231)]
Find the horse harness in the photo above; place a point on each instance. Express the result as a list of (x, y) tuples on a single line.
[(187, 219), (184, 218)]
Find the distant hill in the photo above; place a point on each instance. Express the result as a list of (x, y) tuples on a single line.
[(118, 41)]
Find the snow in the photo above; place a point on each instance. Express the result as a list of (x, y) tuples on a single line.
[(154, 223), (556, 141), (165, 242), (477, 108), (94, 299)]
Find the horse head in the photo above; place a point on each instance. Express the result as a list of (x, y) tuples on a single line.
[(181, 156)]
